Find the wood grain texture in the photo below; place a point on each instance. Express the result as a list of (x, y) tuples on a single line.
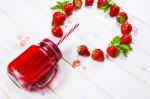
[(121, 78)]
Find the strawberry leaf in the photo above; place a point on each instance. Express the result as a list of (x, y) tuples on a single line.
[(126, 46), (111, 2), (59, 5), (56, 7), (115, 41), (124, 49), (105, 7)]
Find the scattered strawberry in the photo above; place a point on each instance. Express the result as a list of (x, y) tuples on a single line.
[(122, 17), (89, 2), (114, 10), (126, 39), (57, 31), (126, 28), (58, 19), (97, 55), (100, 3), (77, 4), (112, 51), (83, 50), (68, 8)]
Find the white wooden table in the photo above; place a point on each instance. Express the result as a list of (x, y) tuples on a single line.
[(121, 78)]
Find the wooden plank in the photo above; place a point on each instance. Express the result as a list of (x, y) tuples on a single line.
[(102, 81), (71, 84), (3, 96)]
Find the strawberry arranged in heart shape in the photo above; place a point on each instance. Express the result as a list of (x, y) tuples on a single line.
[(83, 50), (112, 51), (77, 4), (126, 39), (89, 2), (68, 9), (57, 31), (102, 3), (118, 45), (122, 17), (126, 28), (98, 55), (58, 19), (114, 10)]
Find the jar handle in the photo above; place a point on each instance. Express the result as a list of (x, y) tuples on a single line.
[(53, 73)]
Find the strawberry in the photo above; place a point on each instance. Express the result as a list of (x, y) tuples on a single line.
[(57, 31), (68, 9), (89, 2), (126, 28), (100, 3), (125, 39), (97, 55), (112, 51), (83, 50), (122, 17), (77, 4), (58, 19), (114, 10)]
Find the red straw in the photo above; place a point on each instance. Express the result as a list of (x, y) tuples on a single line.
[(67, 34)]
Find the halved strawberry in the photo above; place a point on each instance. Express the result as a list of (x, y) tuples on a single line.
[(97, 55), (77, 4), (83, 50)]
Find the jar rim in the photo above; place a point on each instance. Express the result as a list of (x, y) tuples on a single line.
[(52, 45)]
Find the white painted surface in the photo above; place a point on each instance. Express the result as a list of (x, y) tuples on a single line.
[(121, 78)]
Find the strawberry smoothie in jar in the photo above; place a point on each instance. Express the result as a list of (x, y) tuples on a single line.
[(34, 68)]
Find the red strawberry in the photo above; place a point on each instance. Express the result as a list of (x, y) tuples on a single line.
[(83, 50), (97, 55), (89, 2), (122, 17), (114, 11), (101, 2), (112, 51), (77, 4), (58, 19), (126, 28), (126, 39), (57, 31), (68, 8)]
